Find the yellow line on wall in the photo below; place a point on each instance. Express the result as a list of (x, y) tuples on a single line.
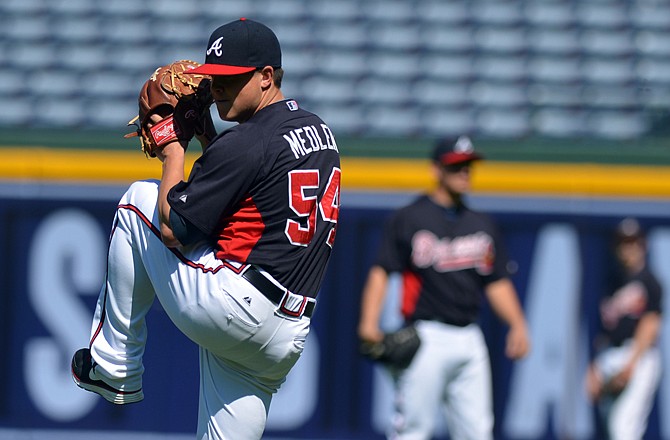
[(76, 165), (515, 177), (95, 166), (574, 179)]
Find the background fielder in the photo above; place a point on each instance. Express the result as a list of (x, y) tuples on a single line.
[(625, 373), (446, 254)]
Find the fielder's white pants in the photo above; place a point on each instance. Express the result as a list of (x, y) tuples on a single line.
[(627, 414), (246, 347), (450, 371)]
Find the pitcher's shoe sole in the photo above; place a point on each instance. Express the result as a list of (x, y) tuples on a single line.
[(82, 364)]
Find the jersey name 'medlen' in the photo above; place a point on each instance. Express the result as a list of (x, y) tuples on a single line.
[(308, 139)]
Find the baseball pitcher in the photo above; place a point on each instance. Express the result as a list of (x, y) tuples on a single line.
[(237, 252)]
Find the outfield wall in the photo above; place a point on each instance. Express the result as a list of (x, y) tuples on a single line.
[(55, 213)]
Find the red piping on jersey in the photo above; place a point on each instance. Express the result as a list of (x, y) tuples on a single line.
[(411, 287), (175, 251), (242, 231), (103, 312)]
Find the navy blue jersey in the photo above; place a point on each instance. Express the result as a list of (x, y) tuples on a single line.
[(267, 191), (446, 257), (621, 310)]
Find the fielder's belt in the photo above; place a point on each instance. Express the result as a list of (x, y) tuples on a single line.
[(289, 303)]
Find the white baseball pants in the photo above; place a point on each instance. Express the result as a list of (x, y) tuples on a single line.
[(627, 415), (247, 347), (450, 371)]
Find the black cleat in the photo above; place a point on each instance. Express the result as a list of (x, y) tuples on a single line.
[(83, 365)]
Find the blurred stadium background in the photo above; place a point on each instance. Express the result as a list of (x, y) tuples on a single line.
[(569, 100), (394, 68)]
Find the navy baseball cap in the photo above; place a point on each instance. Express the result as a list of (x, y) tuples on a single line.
[(628, 230), (239, 47), (455, 151)]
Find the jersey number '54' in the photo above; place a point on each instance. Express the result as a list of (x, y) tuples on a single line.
[(299, 181)]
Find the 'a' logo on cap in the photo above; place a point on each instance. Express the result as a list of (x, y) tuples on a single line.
[(464, 145), (216, 47)]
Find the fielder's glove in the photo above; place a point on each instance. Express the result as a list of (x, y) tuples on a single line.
[(397, 349), (182, 103), (612, 387)]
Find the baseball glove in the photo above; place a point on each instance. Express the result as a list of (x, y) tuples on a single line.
[(396, 349), (181, 104)]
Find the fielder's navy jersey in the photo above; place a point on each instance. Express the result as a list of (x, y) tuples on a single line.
[(268, 191), (621, 311), (446, 257)]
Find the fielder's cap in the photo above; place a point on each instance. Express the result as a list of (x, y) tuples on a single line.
[(629, 229), (454, 151), (239, 47)]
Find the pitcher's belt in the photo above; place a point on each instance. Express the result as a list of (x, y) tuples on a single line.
[(289, 303)]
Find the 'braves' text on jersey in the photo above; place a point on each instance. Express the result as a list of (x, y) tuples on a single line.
[(265, 177), (446, 256), (621, 311)]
